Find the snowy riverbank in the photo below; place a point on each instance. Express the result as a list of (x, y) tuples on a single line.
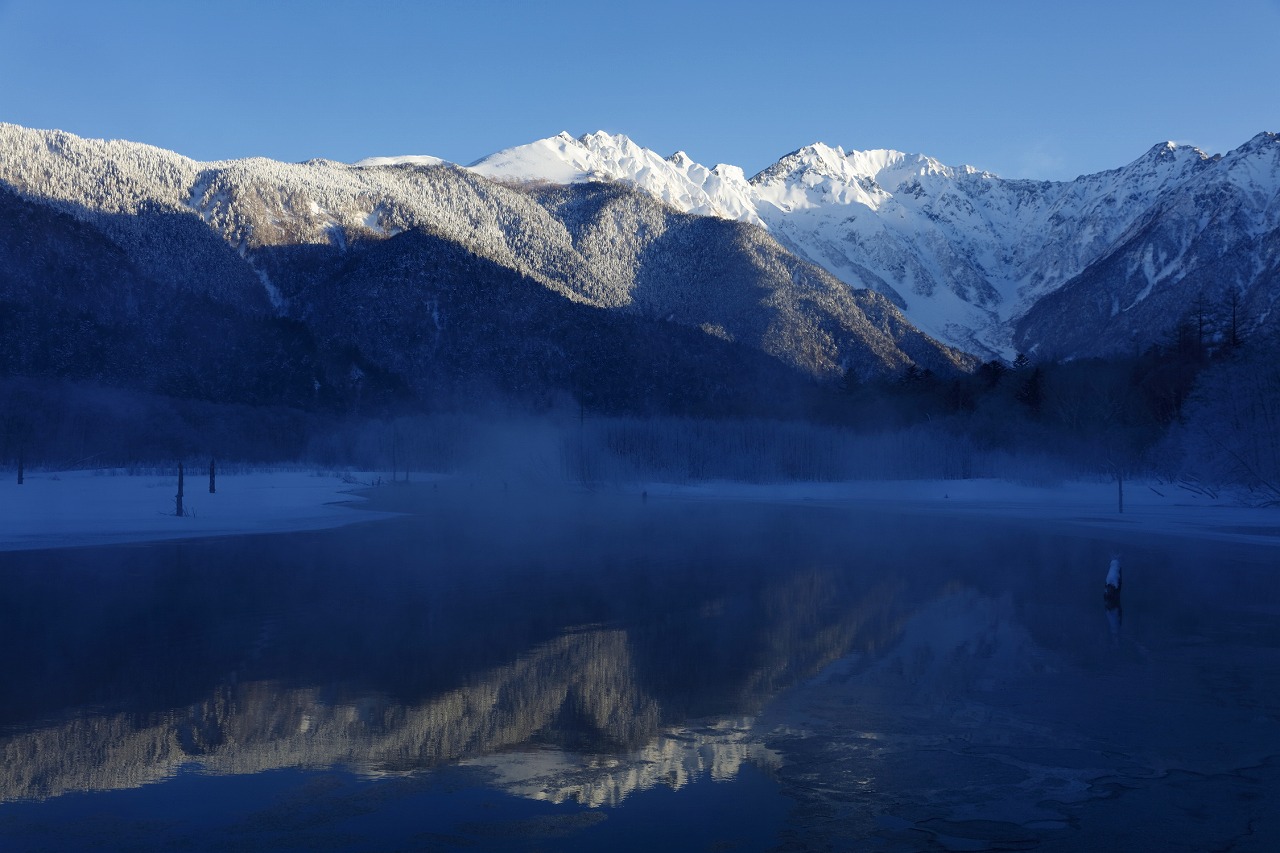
[(1149, 507), (97, 508), (101, 508)]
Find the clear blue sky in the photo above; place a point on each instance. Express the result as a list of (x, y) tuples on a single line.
[(1020, 87)]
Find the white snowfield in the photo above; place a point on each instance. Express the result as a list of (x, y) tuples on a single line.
[(90, 508), (98, 508)]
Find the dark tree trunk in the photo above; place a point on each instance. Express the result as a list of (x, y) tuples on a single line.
[(178, 497), (211, 474), (20, 463)]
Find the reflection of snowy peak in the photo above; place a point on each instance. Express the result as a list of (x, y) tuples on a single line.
[(675, 758), (967, 255)]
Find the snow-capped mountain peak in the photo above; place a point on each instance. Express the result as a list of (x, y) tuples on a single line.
[(881, 166), (1264, 140), (873, 162), (560, 159), (402, 160), (1257, 161), (677, 180), (1169, 155)]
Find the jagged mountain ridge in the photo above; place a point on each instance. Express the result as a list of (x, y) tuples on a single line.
[(1210, 248), (316, 244), (968, 256)]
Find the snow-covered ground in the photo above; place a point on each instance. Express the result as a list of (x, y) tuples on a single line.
[(1149, 507), (94, 508), (100, 508)]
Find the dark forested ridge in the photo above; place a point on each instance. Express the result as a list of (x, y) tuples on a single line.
[(411, 320), (103, 360)]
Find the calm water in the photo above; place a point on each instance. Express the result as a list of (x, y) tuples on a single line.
[(513, 671)]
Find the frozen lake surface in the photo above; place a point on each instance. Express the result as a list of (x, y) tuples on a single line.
[(508, 669)]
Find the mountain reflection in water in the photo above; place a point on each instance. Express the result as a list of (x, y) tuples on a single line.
[(396, 647), (251, 727), (902, 680)]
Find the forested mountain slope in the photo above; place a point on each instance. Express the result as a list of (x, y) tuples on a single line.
[(412, 279)]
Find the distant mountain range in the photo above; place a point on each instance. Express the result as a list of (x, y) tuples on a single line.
[(598, 268), (985, 264), (255, 280)]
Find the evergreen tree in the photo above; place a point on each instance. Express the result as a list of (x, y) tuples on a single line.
[(1031, 392)]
